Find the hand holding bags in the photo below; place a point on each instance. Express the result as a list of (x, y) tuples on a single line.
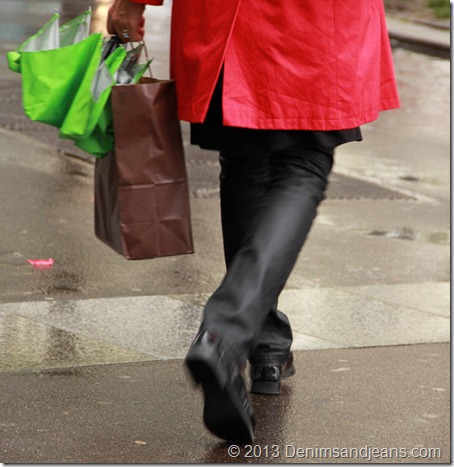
[(141, 190)]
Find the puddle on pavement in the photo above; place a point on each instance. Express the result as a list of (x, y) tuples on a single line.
[(403, 234), (273, 416), (409, 178), (62, 282), (438, 238), (407, 233)]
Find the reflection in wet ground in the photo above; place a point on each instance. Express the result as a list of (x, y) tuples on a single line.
[(28, 344), (273, 415), (147, 413), (424, 88), (408, 233)]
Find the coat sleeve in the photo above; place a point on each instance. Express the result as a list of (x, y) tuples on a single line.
[(148, 2)]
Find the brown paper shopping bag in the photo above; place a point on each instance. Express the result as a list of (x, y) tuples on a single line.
[(141, 190)]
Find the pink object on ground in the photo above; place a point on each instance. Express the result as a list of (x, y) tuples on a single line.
[(41, 263)]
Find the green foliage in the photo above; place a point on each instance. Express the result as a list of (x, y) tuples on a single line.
[(441, 8)]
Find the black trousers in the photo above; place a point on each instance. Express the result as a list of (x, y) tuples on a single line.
[(268, 204)]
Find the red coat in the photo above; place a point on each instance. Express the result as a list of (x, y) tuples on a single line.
[(288, 64)]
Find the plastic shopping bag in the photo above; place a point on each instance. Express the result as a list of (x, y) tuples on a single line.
[(53, 64), (67, 78)]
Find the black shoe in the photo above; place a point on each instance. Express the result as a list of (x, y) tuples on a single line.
[(266, 378), (228, 412)]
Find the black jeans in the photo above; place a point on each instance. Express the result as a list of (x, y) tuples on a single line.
[(268, 204)]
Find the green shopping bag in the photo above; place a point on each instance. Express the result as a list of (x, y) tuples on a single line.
[(91, 98), (53, 64), (101, 140), (67, 81), (51, 36), (49, 89)]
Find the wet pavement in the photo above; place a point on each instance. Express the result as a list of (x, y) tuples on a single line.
[(391, 399), (91, 349)]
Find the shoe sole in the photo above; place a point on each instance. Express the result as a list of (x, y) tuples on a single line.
[(223, 412), (271, 388)]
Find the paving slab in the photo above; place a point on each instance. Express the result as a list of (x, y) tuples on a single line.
[(343, 405), (59, 333), (29, 344), (351, 320), (434, 298)]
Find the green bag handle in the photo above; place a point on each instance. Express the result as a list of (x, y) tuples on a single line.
[(13, 61)]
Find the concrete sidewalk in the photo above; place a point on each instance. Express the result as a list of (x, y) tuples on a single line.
[(385, 405)]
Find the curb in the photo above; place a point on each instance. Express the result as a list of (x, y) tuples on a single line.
[(420, 37), (420, 41)]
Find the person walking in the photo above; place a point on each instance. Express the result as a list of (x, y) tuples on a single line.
[(275, 86)]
